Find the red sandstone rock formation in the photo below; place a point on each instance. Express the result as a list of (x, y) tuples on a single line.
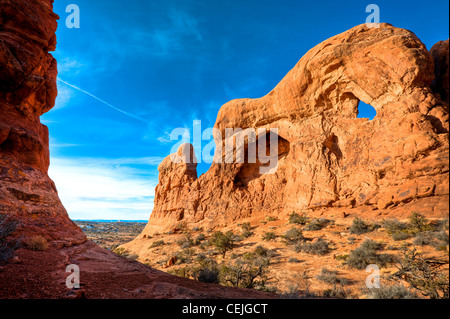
[(27, 90), (328, 157)]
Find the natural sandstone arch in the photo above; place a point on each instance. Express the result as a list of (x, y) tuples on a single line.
[(335, 160)]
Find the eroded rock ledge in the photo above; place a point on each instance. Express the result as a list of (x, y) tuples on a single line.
[(328, 157), (27, 90)]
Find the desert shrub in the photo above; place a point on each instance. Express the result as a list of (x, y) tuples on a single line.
[(199, 239), (342, 257), (207, 275), (397, 230), (268, 236), (246, 226), (293, 236), (206, 270), (295, 218), (367, 254), (441, 225), (157, 243), (185, 256), (185, 242), (246, 230), (250, 271), (359, 227), (7, 247), (318, 247), (394, 225), (37, 243), (426, 275), (401, 235), (418, 223), (396, 291), (246, 234), (261, 251), (423, 239), (317, 224), (270, 218), (401, 231), (223, 242), (442, 236), (331, 277), (338, 291), (119, 251)]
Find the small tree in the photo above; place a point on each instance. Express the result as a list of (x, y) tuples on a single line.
[(423, 274), (223, 242), (249, 271)]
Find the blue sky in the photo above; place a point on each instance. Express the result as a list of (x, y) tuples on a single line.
[(135, 70)]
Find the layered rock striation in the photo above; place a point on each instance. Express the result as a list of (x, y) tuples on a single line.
[(27, 90), (27, 194), (328, 158)]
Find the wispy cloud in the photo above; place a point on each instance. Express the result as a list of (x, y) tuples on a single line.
[(106, 103)]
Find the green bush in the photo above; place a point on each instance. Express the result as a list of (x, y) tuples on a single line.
[(199, 239), (359, 227), (401, 231), (261, 251), (317, 224), (423, 239), (331, 277), (268, 236), (157, 243), (185, 256), (295, 218), (418, 223), (293, 236), (367, 254), (246, 230), (396, 291), (319, 247), (185, 242), (223, 242)]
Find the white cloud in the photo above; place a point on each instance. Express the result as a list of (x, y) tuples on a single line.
[(105, 188)]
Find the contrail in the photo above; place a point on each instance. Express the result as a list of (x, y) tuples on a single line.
[(106, 103)]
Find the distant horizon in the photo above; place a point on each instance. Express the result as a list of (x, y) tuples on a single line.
[(111, 220)]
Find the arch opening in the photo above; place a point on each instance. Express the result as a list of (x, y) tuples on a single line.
[(366, 111)]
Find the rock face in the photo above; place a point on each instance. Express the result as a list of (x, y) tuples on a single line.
[(27, 90), (327, 157), (440, 54)]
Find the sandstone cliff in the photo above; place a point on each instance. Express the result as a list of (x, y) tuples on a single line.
[(328, 159), (27, 90)]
